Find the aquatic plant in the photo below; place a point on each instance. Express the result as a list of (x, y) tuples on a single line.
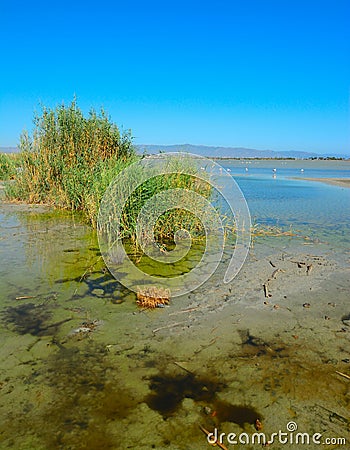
[(70, 159), (172, 219), (8, 164)]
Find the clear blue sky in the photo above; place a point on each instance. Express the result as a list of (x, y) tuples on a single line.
[(265, 74)]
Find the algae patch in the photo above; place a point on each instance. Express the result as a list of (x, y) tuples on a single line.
[(30, 319)]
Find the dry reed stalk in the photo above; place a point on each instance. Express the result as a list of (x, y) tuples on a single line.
[(152, 297)]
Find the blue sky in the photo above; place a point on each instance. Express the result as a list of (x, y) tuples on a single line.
[(265, 74)]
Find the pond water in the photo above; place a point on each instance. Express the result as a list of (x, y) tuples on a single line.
[(314, 208), (81, 367)]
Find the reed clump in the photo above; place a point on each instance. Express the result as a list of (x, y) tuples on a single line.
[(8, 166), (70, 159), (173, 219)]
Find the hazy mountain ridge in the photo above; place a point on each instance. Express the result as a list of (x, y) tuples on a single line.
[(9, 150), (218, 152), (223, 152)]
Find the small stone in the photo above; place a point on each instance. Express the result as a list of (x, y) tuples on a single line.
[(117, 301), (207, 410), (97, 292)]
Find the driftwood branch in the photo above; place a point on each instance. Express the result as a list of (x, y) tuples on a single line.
[(168, 326), (266, 284), (218, 443), (183, 367), (343, 375), (182, 311), (266, 289)]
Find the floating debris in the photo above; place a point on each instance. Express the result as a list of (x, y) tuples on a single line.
[(153, 297), (267, 283), (207, 410), (309, 269), (343, 375), (85, 328), (216, 442), (346, 320), (258, 425)]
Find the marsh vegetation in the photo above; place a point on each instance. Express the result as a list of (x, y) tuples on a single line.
[(70, 160)]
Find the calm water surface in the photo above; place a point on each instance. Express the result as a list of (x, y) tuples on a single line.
[(275, 198)]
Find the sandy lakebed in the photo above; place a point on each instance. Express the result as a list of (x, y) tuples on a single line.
[(81, 367), (343, 182)]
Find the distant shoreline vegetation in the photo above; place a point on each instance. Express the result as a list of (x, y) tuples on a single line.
[(318, 158), (16, 150), (217, 152)]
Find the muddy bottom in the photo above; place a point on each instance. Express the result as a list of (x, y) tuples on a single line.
[(83, 368)]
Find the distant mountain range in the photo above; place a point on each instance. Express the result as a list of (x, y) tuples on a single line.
[(215, 152), (224, 152)]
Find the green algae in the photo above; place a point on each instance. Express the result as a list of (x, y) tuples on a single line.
[(119, 387)]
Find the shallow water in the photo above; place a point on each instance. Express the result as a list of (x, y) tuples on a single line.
[(289, 168), (82, 368), (315, 209)]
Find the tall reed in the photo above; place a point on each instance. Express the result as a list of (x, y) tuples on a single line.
[(8, 165), (70, 159)]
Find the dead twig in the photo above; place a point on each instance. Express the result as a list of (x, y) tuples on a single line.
[(182, 366), (182, 311), (275, 272), (25, 297), (203, 347), (343, 375), (216, 442), (266, 290), (334, 415), (300, 264), (266, 284), (168, 326)]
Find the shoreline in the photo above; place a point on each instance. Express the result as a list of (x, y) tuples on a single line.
[(343, 182)]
